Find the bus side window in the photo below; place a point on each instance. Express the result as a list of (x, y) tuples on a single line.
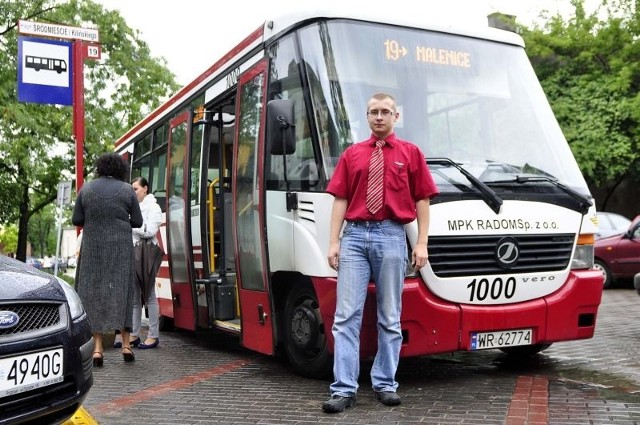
[(309, 174), (161, 197), (272, 181), (158, 176)]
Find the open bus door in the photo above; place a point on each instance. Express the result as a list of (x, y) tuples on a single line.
[(178, 223), (248, 212)]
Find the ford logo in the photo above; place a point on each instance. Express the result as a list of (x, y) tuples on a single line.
[(507, 252), (8, 319)]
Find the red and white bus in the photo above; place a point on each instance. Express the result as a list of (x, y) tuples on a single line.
[(240, 158)]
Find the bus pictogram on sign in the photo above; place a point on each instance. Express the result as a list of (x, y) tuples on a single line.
[(49, 64)]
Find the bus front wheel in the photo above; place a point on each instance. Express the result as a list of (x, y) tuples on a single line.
[(305, 341)]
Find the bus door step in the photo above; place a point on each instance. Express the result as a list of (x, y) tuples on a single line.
[(222, 301)]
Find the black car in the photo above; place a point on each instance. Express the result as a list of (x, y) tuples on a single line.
[(45, 346)]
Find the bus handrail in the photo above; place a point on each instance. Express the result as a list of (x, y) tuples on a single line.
[(211, 206)]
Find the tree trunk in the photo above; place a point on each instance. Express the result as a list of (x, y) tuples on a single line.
[(23, 225)]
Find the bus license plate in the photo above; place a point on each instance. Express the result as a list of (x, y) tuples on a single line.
[(512, 338), (27, 372)]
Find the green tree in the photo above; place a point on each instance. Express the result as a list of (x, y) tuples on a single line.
[(36, 141), (42, 232), (9, 238), (588, 66)]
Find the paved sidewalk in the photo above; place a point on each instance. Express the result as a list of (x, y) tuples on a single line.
[(191, 381)]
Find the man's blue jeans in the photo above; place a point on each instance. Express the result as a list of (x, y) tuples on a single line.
[(368, 250)]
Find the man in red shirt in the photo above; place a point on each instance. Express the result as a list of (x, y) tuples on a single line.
[(379, 185)]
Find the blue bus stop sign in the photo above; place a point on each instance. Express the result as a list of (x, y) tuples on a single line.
[(44, 71)]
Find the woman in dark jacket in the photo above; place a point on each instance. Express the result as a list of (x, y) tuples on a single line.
[(107, 209)]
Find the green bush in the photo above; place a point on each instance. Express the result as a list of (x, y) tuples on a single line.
[(69, 279)]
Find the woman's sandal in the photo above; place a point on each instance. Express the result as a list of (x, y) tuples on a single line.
[(97, 360), (127, 354)]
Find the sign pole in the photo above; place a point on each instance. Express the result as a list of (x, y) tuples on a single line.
[(57, 259), (78, 110), (64, 197)]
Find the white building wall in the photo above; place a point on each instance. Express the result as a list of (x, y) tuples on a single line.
[(69, 243)]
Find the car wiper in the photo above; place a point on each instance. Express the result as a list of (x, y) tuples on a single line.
[(583, 202), (490, 197)]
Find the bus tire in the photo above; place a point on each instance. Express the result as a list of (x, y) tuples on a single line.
[(608, 279), (305, 342), (525, 350)]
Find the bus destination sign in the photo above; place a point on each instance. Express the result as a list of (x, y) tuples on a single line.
[(427, 54)]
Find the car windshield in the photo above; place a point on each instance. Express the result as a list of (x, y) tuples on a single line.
[(616, 221)]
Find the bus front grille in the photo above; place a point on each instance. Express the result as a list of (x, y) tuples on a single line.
[(455, 256)]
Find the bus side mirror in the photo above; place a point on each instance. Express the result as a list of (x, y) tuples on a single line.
[(281, 130)]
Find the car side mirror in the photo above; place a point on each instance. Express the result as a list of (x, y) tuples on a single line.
[(631, 233)]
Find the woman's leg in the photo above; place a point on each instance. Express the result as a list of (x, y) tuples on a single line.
[(135, 319), (98, 348), (127, 353), (97, 338), (154, 316), (125, 338), (137, 311)]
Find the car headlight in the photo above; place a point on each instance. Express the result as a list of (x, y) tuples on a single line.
[(75, 304)]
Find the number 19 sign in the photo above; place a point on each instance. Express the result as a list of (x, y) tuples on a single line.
[(92, 51)]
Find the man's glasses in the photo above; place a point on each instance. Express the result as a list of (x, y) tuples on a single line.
[(384, 113)]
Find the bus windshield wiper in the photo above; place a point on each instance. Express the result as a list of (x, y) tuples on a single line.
[(583, 202), (490, 197)]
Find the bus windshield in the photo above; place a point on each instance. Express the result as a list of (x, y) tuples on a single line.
[(475, 102)]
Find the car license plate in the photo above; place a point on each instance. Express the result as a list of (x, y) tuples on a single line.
[(27, 372), (512, 338)]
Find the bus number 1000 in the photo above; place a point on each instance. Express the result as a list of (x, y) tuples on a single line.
[(232, 77), (480, 289)]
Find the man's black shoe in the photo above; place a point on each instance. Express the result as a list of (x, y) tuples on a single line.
[(338, 403), (388, 398)]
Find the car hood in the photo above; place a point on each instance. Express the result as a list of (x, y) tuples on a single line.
[(23, 282), (610, 238)]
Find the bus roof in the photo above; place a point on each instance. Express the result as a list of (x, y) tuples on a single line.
[(275, 27), (271, 29)]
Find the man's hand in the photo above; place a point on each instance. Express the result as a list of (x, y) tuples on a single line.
[(332, 256), (419, 256)]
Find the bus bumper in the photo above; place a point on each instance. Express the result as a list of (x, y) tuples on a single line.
[(431, 325)]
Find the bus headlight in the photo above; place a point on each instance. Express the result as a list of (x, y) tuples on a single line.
[(582, 257)]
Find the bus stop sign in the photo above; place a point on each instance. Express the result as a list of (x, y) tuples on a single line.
[(44, 71)]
